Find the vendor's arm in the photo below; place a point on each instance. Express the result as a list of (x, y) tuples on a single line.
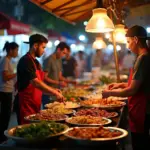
[(126, 92), (140, 74), (27, 74), (61, 78), (51, 81), (45, 88), (117, 86)]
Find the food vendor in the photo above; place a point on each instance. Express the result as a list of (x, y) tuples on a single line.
[(30, 79), (137, 89), (53, 69)]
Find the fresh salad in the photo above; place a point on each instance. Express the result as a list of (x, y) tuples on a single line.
[(39, 130)]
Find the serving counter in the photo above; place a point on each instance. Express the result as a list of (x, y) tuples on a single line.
[(65, 143)]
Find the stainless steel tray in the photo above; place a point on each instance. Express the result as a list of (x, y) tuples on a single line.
[(77, 124), (95, 140), (115, 115), (104, 106), (70, 111), (27, 118)]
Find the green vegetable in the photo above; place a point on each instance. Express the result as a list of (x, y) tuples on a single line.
[(39, 130), (106, 80)]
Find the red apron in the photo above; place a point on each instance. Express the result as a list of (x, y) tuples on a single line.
[(30, 97), (137, 109)]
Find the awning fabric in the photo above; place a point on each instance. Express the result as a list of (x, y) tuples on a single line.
[(71, 11), (13, 26)]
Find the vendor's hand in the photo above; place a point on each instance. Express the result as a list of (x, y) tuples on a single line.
[(58, 91), (112, 86), (60, 97), (62, 83), (106, 93)]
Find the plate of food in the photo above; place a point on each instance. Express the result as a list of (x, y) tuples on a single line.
[(87, 135), (24, 134), (62, 106), (57, 108), (44, 116), (117, 98), (88, 121), (96, 112), (103, 103), (71, 105), (74, 92)]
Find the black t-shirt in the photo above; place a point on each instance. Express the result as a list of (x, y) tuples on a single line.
[(26, 71), (68, 67), (142, 72)]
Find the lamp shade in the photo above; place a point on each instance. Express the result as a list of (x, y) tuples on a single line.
[(99, 43), (100, 22), (120, 33)]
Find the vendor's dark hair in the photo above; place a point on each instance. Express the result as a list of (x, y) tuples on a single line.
[(10, 46), (39, 40), (62, 46)]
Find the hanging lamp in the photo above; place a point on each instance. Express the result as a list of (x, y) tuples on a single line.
[(120, 33), (99, 43), (99, 22)]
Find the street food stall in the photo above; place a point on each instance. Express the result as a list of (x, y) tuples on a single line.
[(85, 120), (80, 122)]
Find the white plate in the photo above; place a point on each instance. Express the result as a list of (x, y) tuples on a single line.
[(27, 118), (113, 106), (116, 114), (78, 124)]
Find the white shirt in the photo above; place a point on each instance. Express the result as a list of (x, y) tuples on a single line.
[(5, 65)]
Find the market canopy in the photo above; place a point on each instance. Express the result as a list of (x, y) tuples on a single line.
[(13, 26), (70, 10), (73, 11)]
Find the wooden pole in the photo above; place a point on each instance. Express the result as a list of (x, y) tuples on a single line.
[(116, 58), (115, 52)]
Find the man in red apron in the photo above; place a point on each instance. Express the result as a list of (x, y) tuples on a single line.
[(137, 88), (30, 79)]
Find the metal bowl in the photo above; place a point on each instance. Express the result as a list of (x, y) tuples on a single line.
[(106, 107), (108, 121), (65, 107), (70, 111), (19, 140), (98, 141), (115, 115), (28, 118)]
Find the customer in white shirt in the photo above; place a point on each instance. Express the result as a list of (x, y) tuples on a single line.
[(7, 77)]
